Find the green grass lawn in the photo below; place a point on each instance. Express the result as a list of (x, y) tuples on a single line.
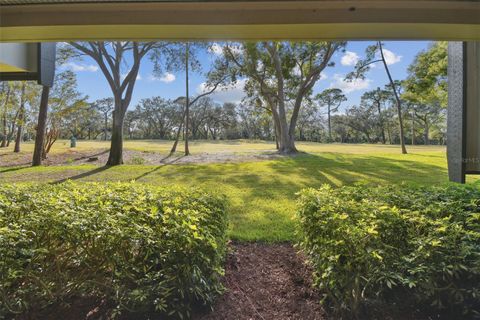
[(262, 193)]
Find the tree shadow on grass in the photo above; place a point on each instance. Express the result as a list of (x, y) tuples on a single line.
[(91, 155), (315, 169), (82, 175), (159, 167), (13, 168)]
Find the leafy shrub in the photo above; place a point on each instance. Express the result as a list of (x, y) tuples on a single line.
[(420, 245), (141, 248), (137, 160)]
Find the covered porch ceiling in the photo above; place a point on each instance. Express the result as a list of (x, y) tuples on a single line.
[(66, 20)]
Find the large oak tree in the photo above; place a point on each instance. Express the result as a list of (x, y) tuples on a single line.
[(281, 74), (121, 74)]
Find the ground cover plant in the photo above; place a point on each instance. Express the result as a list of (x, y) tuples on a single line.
[(140, 248), (398, 244)]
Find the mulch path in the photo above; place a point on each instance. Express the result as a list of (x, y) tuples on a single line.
[(266, 281)]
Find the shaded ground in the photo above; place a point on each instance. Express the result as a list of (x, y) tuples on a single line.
[(266, 282)]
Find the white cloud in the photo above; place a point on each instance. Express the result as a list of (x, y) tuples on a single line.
[(167, 77), (349, 58), (349, 86), (216, 49), (296, 72), (260, 66), (233, 93), (76, 67), (124, 75), (390, 57)]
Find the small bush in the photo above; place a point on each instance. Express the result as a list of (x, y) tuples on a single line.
[(137, 160), (142, 249), (386, 244)]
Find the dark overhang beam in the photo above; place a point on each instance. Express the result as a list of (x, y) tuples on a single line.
[(235, 20)]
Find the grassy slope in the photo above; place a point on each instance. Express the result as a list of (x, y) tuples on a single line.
[(262, 193)]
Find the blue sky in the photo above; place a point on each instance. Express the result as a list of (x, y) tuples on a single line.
[(172, 85)]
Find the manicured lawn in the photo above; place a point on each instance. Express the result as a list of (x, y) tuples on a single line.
[(262, 193)]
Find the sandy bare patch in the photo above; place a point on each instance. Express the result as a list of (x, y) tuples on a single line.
[(100, 157)]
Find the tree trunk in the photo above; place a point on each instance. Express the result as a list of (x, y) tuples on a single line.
[(11, 130), (213, 132), (41, 127), (187, 101), (105, 129), (413, 127), (116, 147), (286, 141), (426, 132), (21, 117), (287, 144), (380, 120), (4, 139), (397, 98), (287, 133), (276, 129), (177, 137), (18, 139), (329, 125), (389, 135)]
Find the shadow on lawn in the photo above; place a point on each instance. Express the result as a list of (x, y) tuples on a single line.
[(282, 177), (91, 155), (159, 167), (319, 169), (82, 175), (290, 174), (14, 168)]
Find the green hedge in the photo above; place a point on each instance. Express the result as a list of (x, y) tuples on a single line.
[(142, 248), (420, 245)]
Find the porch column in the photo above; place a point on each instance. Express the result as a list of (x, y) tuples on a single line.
[(463, 123)]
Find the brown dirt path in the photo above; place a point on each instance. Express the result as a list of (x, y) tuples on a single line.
[(266, 281)]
